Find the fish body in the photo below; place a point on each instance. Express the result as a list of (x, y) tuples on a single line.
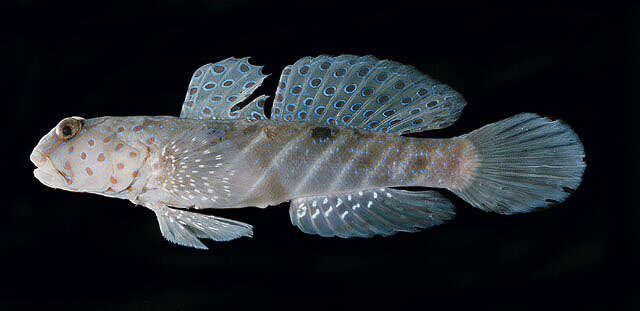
[(332, 147), (249, 163)]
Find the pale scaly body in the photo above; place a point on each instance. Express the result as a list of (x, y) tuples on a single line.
[(255, 163), (336, 165)]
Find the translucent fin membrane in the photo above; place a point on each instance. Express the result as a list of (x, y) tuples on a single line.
[(364, 93), (524, 162), (215, 88), (368, 213), (197, 167), (184, 228)]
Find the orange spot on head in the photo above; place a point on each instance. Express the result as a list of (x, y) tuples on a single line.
[(138, 128), (83, 156), (107, 139), (121, 129), (110, 189), (133, 154), (136, 173), (68, 180), (53, 147), (101, 157), (91, 142), (119, 146), (120, 166), (150, 140), (67, 166), (113, 180), (206, 111), (71, 149), (89, 171)]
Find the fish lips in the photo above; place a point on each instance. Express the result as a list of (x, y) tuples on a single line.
[(45, 172)]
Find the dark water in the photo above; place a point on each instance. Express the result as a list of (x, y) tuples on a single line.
[(86, 252)]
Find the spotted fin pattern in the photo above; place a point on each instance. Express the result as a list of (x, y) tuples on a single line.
[(255, 110), (364, 93), (368, 213), (184, 228), (216, 88)]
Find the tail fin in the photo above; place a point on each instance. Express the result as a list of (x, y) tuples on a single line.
[(523, 162)]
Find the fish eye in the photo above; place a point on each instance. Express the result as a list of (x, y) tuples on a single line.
[(69, 127)]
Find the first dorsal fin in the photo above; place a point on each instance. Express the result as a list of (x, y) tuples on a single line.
[(216, 88), (364, 93)]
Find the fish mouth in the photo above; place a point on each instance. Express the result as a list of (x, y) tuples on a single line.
[(45, 172), (38, 158)]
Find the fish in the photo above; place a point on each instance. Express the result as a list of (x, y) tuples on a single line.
[(337, 146)]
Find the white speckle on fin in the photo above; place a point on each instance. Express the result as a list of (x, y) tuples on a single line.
[(189, 170), (407, 211), (184, 228)]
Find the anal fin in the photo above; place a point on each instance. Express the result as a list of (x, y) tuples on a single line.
[(371, 212), (184, 228)]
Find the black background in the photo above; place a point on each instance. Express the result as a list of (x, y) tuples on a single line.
[(83, 251)]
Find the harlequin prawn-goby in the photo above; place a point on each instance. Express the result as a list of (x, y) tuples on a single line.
[(334, 147)]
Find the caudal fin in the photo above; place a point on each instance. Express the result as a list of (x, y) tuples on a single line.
[(523, 162)]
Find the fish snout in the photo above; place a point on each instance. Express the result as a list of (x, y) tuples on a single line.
[(45, 172), (38, 158)]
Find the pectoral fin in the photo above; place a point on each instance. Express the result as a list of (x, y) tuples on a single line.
[(184, 228)]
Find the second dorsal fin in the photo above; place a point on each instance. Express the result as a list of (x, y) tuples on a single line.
[(364, 93)]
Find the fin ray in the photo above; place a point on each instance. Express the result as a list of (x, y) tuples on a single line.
[(216, 88), (524, 162), (184, 228), (363, 92), (370, 212), (199, 171)]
